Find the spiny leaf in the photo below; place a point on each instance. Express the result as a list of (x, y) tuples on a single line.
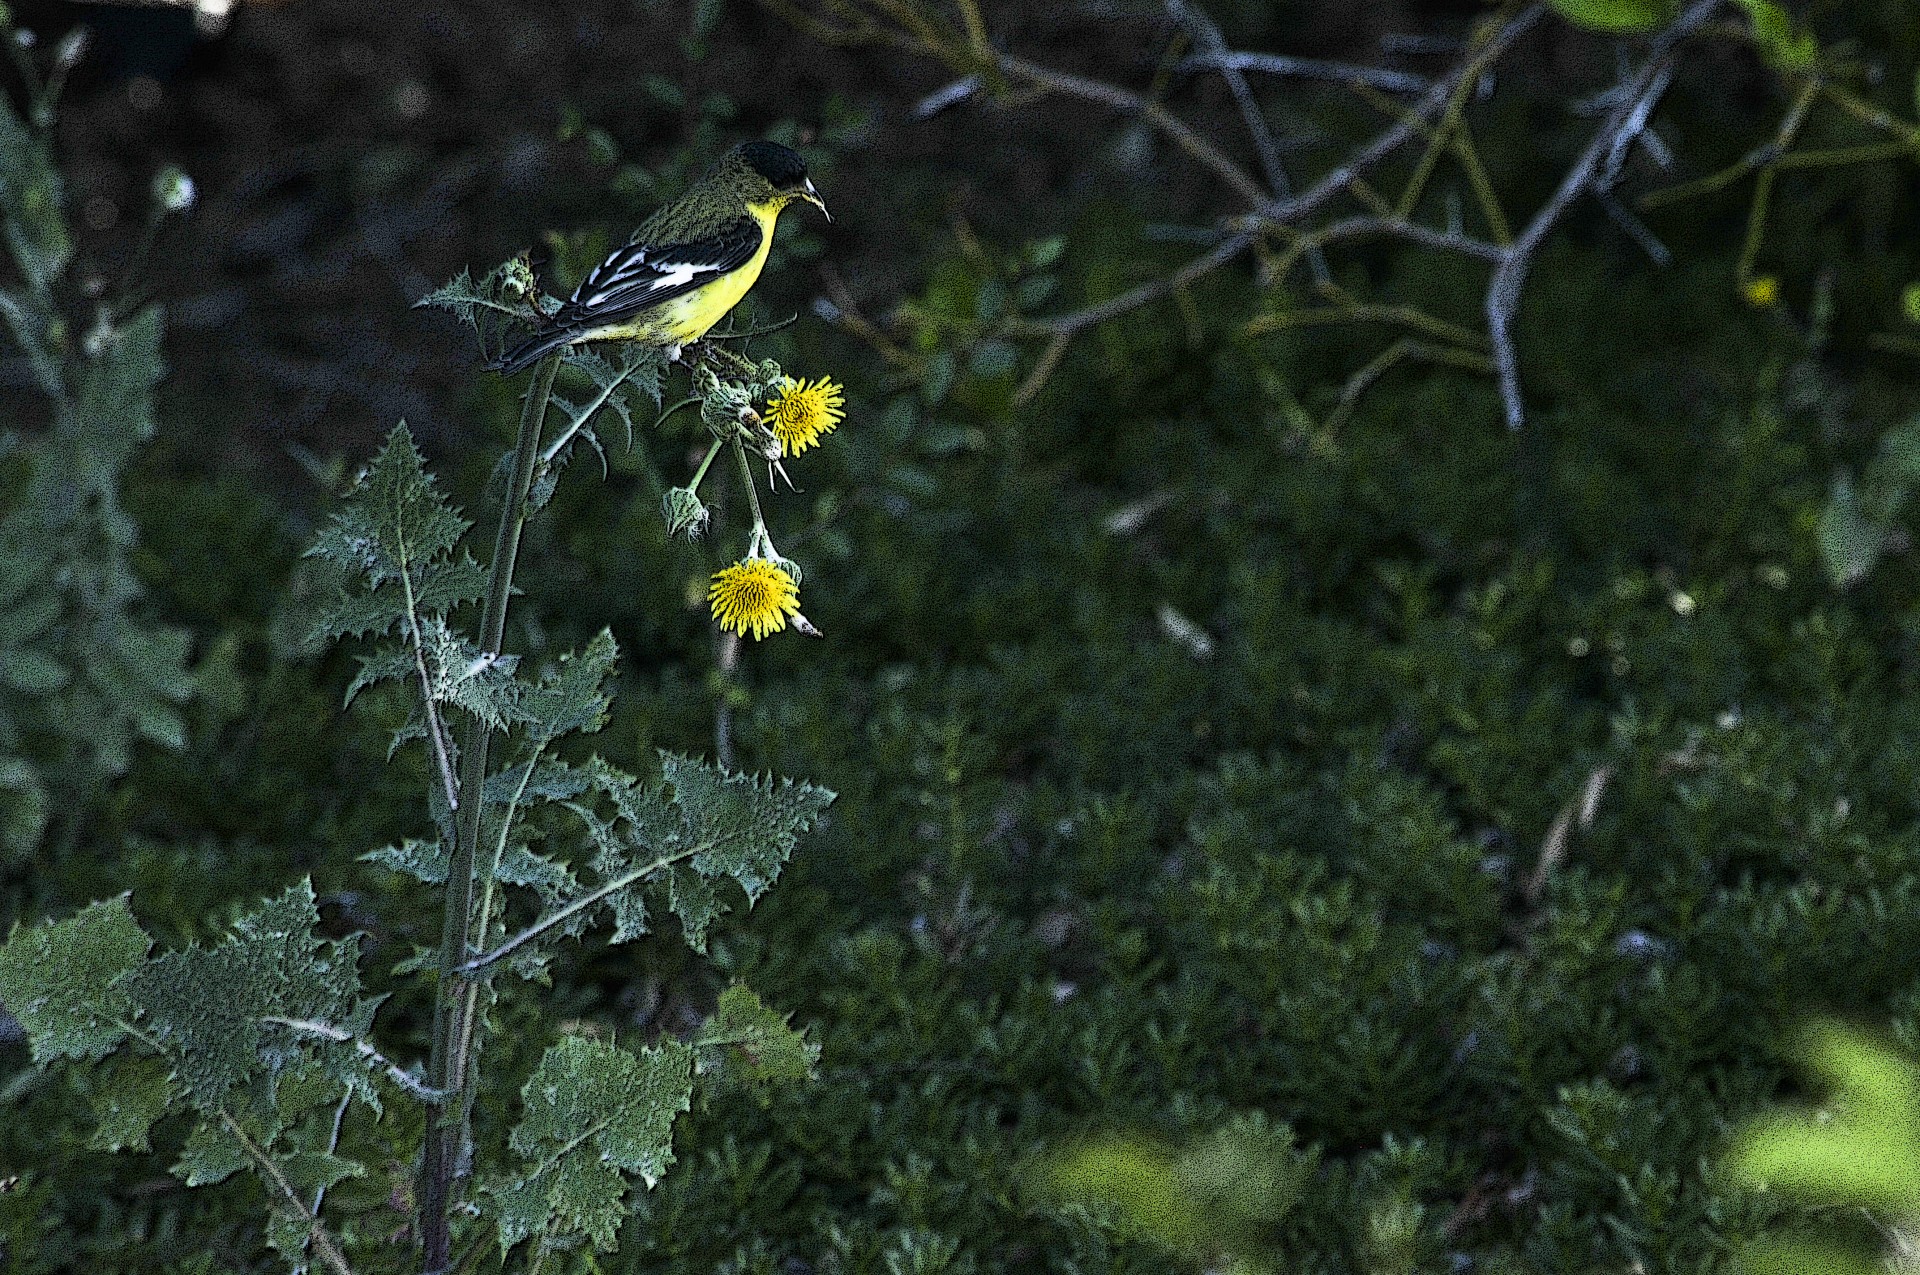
[(463, 675), (507, 290), (693, 899), (574, 698), (212, 1154), (593, 1113), (753, 1042), (424, 861), (206, 1006), (745, 827), (550, 781), (392, 548), (132, 1094), (703, 826), (62, 980)]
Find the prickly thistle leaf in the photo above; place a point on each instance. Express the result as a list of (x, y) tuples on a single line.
[(222, 1014), (594, 1113), (63, 980)]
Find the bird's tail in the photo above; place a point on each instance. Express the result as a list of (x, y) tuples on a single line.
[(531, 351)]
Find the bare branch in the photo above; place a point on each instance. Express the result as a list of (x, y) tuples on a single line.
[(1207, 36), (1286, 211), (1403, 350), (1134, 104), (1226, 250), (1413, 232), (1591, 171), (1387, 81), (1636, 230), (950, 95), (1323, 192)]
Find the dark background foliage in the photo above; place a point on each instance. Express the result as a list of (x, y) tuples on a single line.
[(1195, 762)]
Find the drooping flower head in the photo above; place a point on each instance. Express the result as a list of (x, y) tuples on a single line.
[(753, 596), (802, 414)]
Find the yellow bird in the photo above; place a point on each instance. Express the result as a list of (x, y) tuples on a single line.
[(687, 265)]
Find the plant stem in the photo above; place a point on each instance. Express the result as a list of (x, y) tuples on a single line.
[(560, 916), (693, 484), (753, 493), (456, 995), (328, 1248)]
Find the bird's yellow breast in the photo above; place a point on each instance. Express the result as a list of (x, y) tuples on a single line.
[(687, 318)]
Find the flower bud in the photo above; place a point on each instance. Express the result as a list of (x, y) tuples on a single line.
[(684, 513)]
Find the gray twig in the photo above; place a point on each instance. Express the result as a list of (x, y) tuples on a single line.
[(942, 98), (1379, 77), (1450, 240), (1323, 192), (1288, 211), (1206, 34), (1596, 169), (1636, 230)]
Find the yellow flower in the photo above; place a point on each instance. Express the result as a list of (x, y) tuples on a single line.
[(800, 415), (1762, 293), (753, 596)]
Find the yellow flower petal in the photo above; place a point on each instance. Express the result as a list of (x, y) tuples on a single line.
[(1762, 293), (753, 596), (800, 415)]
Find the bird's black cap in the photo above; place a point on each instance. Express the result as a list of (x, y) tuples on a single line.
[(783, 169)]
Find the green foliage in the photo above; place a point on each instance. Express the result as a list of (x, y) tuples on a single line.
[(63, 981), (593, 1112), (1861, 519), (1618, 17), (704, 827), (750, 1042), (1861, 1150), (1222, 1197), (1786, 49), (269, 994), (1519, 796), (85, 671)]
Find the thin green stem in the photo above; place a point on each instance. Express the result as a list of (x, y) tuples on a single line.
[(560, 915), (483, 922), (693, 484), (454, 998), (753, 493), (436, 728), (586, 414), (317, 1233)]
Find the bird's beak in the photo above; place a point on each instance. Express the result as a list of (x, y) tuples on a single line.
[(812, 196)]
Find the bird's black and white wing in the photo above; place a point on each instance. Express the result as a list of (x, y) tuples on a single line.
[(645, 274)]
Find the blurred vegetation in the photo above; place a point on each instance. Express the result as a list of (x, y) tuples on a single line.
[(1455, 824)]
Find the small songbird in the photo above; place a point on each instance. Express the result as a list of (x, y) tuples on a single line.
[(687, 265)]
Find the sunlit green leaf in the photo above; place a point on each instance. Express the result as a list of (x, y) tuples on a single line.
[(746, 1039), (1617, 17)]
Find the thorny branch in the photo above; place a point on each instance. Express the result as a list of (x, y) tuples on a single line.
[(1302, 225)]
